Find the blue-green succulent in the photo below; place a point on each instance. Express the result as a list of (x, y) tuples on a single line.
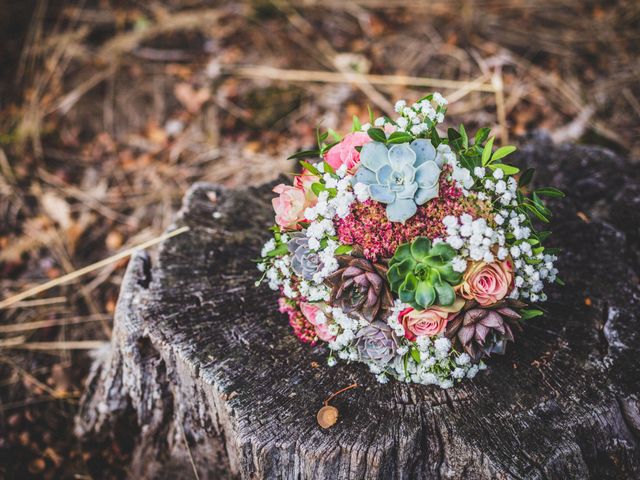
[(402, 176)]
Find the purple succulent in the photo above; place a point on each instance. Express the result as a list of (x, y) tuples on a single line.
[(483, 331), (304, 262), (376, 342)]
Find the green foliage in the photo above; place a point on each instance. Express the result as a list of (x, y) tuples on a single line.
[(421, 273)]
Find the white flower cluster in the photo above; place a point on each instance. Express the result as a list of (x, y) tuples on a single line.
[(461, 175), (344, 328), (278, 273), (321, 226), (477, 240), (474, 240), (439, 364), (416, 119)]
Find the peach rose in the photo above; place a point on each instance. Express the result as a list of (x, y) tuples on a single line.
[(345, 153), (289, 205), (304, 181), (429, 322), (486, 283), (311, 312)]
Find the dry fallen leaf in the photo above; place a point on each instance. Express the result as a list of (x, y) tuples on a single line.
[(189, 97), (57, 208)]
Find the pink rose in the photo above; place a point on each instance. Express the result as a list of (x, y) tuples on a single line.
[(323, 333), (345, 153), (289, 206), (486, 283), (310, 312), (429, 322)]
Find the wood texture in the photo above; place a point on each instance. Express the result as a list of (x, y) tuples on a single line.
[(201, 356)]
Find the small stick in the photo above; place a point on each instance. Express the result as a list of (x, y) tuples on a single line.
[(334, 77), (89, 268), (40, 302), (38, 324), (333, 395), (70, 345)]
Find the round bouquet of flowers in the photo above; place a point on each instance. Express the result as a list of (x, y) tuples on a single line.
[(411, 252)]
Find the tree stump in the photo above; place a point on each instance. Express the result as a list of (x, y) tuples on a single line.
[(201, 357)]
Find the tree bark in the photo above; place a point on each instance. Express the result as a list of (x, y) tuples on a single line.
[(201, 357)]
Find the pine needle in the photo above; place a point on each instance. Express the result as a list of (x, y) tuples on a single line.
[(88, 269)]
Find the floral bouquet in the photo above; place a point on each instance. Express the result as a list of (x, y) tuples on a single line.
[(412, 253)]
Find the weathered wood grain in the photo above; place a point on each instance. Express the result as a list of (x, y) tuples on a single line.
[(200, 354)]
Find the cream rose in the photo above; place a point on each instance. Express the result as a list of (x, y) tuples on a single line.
[(486, 283)]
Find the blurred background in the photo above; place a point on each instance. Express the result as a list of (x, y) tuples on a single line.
[(110, 110)]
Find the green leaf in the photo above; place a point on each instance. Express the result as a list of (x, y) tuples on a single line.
[(446, 295), (526, 177), (542, 236), (399, 137), (455, 139), (313, 170), (336, 136), (507, 169), (540, 205), (425, 294), (420, 248), (530, 313), (531, 208), (343, 249), (502, 152), (371, 118), (464, 136), (321, 137), (486, 152), (435, 138), (357, 126), (280, 250), (415, 354), (328, 168), (560, 282), (453, 134), (317, 187), (550, 192), (377, 134), (304, 154), (481, 136)]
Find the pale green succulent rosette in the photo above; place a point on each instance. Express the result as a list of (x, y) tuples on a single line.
[(402, 177)]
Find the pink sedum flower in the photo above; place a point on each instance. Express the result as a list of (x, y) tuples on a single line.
[(345, 153), (310, 312), (429, 322), (289, 205), (486, 283)]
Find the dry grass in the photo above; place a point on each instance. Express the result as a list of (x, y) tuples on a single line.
[(110, 112)]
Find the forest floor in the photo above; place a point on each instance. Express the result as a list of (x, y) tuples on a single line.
[(110, 110)]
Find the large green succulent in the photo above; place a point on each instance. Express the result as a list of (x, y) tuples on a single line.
[(421, 273)]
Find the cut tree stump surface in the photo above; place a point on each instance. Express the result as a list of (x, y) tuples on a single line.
[(201, 356)]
